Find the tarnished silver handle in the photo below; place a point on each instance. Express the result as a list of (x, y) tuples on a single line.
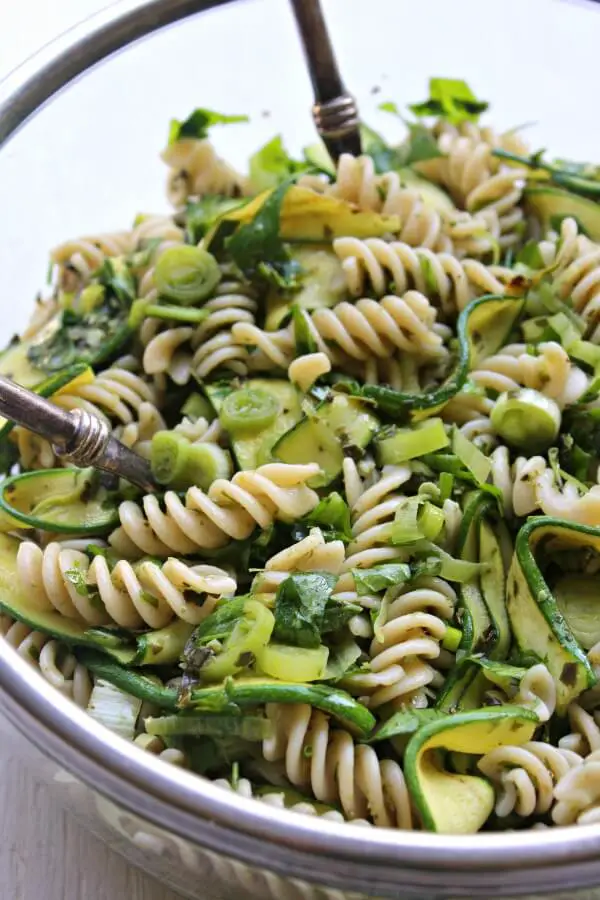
[(335, 111), (77, 435)]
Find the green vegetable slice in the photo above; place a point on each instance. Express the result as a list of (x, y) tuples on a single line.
[(526, 419), (186, 274), (61, 500), (287, 663), (537, 624), (241, 692), (410, 443), (578, 599), (247, 639), (248, 410), (178, 463), (455, 803)]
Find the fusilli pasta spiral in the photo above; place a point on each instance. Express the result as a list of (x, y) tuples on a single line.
[(375, 263), (64, 579), (197, 170), (229, 511), (335, 769), (525, 776), (54, 660)]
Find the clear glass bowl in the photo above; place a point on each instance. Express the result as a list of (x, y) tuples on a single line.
[(88, 162)]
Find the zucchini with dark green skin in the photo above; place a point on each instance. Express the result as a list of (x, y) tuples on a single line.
[(253, 450), (451, 803), (69, 501), (537, 624), (482, 328), (242, 692), (337, 427)]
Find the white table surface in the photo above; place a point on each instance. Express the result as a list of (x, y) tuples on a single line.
[(44, 854)]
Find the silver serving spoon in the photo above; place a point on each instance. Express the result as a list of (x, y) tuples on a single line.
[(335, 111), (79, 437)]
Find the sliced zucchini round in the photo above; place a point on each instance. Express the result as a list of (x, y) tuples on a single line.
[(71, 500)]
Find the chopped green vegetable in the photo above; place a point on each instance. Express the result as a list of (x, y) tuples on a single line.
[(379, 578), (288, 663), (526, 419), (410, 443), (272, 164), (186, 274), (248, 410), (450, 99), (300, 608), (257, 248), (198, 123), (471, 457)]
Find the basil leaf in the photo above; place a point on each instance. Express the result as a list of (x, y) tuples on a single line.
[(198, 123), (452, 99), (257, 248), (379, 578), (300, 608), (220, 624), (272, 164), (337, 615), (202, 214), (332, 516)]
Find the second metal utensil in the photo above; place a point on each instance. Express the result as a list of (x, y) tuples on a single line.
[(335, 111), (79, 437)]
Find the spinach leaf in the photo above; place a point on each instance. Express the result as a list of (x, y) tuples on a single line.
[(378, 578), (202, 214), (272, 164), (332, 516), (198, 123), (405, 722), (257, 247), (300, 608), (451, 99)]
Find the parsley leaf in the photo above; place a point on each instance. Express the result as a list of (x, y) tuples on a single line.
[(198, 123)]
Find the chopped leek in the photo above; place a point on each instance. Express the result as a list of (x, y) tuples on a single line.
[(452, 638), (410, 443), (115, 709), (417, 520), (186, 274), (526, 419), (471, 456)]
